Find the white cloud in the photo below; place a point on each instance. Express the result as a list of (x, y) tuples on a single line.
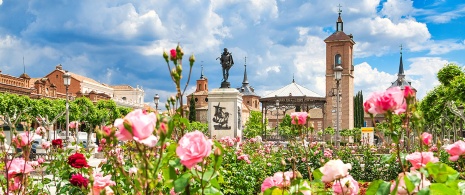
[(386, 35), (421, 72), (446, 17), (397, 9), (369, 79)]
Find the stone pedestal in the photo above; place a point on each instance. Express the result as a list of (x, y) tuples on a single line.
[(224, 113)]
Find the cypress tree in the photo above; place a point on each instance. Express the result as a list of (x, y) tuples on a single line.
[(192, 109)]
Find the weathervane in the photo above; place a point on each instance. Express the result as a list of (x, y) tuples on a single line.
[(339, 9), (400, 49)]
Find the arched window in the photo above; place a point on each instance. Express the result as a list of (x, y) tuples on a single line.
[(337, 60)]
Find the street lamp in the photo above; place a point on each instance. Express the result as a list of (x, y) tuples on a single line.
[(337, 76), (67, 82), (156, 100), (277, 113)]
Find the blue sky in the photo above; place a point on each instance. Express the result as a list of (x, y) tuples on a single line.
[(121, 42)]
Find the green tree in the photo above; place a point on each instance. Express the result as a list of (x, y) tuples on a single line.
[(254, 126), (438, 104), (358, 110), (87, 113), (47, 112), (14, 109), (192, 109), (286, 121)]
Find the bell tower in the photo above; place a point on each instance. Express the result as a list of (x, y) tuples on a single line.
[(339, 52)]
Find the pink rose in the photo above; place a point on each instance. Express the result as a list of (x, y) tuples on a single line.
[(132, 170), (33, 163), (408, 92), (401, 187), (299, 118), (45, 144), (419, 160), (13, 186), (391, 100), (18, 166), (349, 186), (40, 160), (192, 148), (456, 150), (268, 183), (40, 131), (279, 179), (334, 169), (73, 125), (101, 182), (426, 138), (173, 54), (22, 139), (106, 130), (142, 124)]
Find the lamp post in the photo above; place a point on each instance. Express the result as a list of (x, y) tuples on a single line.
[(156, 100), (67, 82), (337, 76), (277, 114)]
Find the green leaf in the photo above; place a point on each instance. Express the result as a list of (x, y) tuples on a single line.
[(207, 175), (212, 190), (46, 180), (317, 174), (440, 189), (411, 181), (441, 172), (424, 191), (378, 187), (387, 157), (269, 190), (181, 182)]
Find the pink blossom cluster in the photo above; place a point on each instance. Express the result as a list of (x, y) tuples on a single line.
[(337, 171), (227, 141), (328, 153), (142, 127), (392, 100), (244, 157)]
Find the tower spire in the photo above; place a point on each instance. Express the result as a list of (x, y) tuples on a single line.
[(24, 66), (293, 78), (401, 63), (201, 71), (339, 23), (245, 81)]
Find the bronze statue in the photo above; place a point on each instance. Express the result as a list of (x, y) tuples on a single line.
[(226, 61)]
